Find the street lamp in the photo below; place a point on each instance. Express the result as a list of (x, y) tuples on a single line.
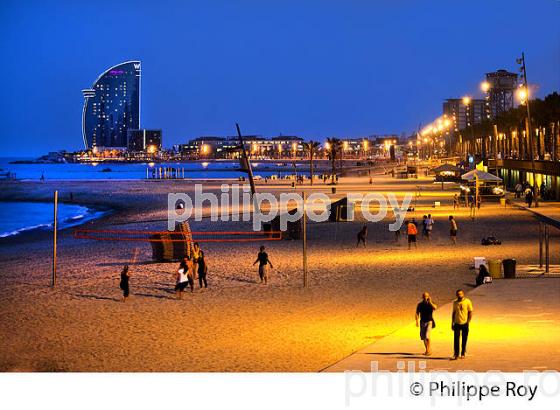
[(485, 86), (525, 92)]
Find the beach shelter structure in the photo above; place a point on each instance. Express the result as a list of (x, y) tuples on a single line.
[(481, 176), (447, 173)]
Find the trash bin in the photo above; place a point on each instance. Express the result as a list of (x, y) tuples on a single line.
[(509, 268), (495, 268), (293, 184), (333, 190)]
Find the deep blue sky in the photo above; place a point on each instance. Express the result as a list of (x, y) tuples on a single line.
[(310, 68)]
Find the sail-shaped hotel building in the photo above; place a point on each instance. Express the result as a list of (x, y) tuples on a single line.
[(112, 106)]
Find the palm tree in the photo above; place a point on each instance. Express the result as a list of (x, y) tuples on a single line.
[(335, 146), (311, 147)]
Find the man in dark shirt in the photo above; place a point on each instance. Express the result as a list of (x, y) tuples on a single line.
[(263, 261), (425, 320)]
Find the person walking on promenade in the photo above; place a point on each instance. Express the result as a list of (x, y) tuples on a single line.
[(453, 229), (455, 202), (124, 284), (529, 197), (425, 320), (202, 270), (264, 262), (518, 190), (461, 317), (412, 232), (362, 236), (184, 277)]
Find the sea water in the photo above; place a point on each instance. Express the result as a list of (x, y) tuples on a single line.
[(17, 217)]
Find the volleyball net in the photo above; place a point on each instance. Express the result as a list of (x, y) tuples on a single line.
[(176, 236)]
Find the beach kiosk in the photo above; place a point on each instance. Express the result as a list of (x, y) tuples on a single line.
[(485, 184)]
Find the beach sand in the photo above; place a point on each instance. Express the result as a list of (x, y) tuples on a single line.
[(355, 296)]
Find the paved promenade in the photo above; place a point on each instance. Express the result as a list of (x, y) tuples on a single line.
[(515, 327)]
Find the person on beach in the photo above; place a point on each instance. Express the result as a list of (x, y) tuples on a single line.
[(453, 229), (124, 284), (482, 274), (362, 236), (455, 202), (429, 223), (195, 255), (424, 230), (183, 277), (425, 320), (202, 270), (264, 262), (412, 232), (397, 234), (461, 317)]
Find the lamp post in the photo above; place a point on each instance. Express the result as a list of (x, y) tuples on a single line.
[(524, 94), (468, 114)]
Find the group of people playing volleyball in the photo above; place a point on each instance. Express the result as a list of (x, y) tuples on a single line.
[(194, 267)]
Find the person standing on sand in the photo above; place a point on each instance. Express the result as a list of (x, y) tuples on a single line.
[(124, 284), (195, 256), (202, 270), (453, 229), (412, 232), (183, 277), (460, 319), (425, 320), (262, 259), (424, 226), (362, 236), (429, 226)]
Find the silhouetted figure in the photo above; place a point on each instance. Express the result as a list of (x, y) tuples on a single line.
[(362, 236), (124, 283)]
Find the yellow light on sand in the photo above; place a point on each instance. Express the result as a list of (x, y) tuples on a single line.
[(485, 86), (466, 100)]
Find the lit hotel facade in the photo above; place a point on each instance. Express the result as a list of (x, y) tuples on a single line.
[(112, 106)]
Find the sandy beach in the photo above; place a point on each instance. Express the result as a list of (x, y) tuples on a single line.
[(356, 296)]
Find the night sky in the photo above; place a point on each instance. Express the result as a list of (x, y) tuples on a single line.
[(309, 68)]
